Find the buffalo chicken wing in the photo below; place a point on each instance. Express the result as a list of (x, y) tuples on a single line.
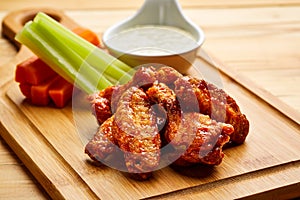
[(161, 107)]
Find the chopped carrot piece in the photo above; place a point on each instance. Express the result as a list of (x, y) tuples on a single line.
[(33, 71), (40, 93), (87, 35), (61, 92), (21, 69), (38, 72), (25, 89)]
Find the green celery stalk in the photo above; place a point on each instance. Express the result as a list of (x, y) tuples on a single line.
[(75, 59), (96, 57), (64, 64), (80, 65)]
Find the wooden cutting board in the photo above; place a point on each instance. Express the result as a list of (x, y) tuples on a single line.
[(50, 142)]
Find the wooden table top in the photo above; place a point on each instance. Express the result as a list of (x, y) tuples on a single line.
[(259, 39)]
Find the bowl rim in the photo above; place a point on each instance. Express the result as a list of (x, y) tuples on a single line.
[(110, 33)]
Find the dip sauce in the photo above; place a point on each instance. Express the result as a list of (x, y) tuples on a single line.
[(152, 41)]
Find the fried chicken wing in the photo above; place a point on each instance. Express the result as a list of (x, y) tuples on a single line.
[(201, 137), (214, 102), (103, 143), (168, 76), (144, 78), (101, 103), (163, 114), (160, 94), (136, 132), (194, 135), (104, 103)]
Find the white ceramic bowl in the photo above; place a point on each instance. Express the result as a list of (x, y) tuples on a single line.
[(157, 13)]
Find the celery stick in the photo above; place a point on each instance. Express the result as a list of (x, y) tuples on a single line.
[(32, 40), (27, 37), (96, 57), (66, 64), (71, 56), (84, 72)]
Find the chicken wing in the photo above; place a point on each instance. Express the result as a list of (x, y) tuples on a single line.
[(103, 143), (214, 102), (104, 103), (195, 137), (163, 114), (136, 132), (201, 137), (101, 103)]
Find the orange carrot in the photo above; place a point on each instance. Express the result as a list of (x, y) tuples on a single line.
[(87, 35), (33, 71), (38, 72), (40, 93), (25, 89), (61, 92), (41, 84), (21, 69)]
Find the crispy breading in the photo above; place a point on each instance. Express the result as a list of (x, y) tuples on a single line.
[(104, 103), (214, 102), (198, 138), (103, 143), (136, 132), (101, 103), (190, 116)]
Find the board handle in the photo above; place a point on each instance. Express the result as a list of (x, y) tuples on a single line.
[(14, 21)]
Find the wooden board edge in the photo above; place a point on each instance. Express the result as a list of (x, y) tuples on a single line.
[(225, 187), (291, 191), (60, 183)]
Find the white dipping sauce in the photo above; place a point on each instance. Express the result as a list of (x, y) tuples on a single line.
[(153, 41)]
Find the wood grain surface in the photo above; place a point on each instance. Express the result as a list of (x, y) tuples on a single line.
[(259, 39), (54, 135)]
